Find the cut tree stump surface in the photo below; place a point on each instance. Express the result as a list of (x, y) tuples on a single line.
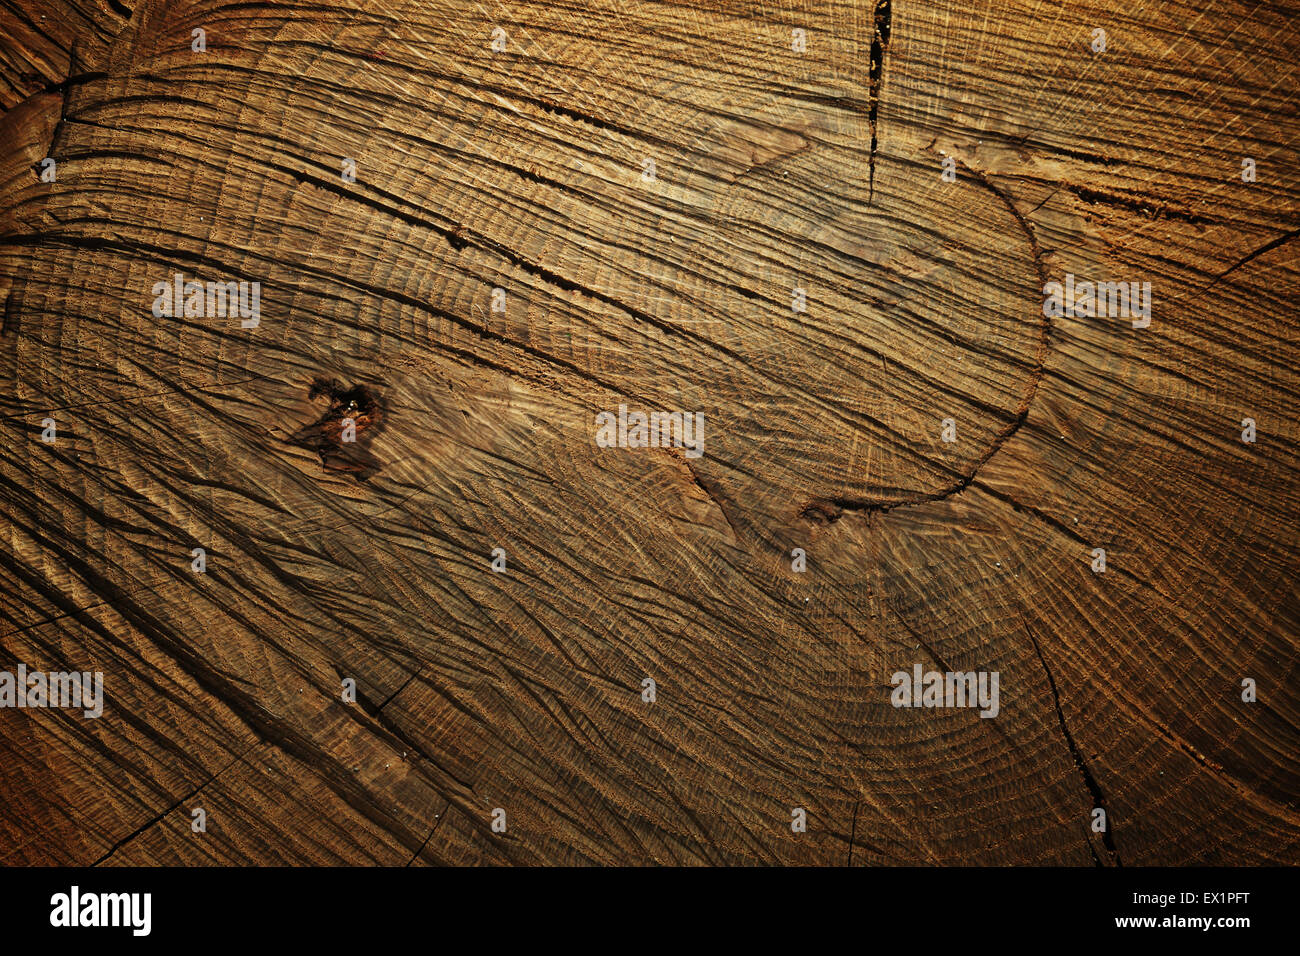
[(833, 248)]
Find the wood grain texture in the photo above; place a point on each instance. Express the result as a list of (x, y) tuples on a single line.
[(522, 169)]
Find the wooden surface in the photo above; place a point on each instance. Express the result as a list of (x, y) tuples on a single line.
[(523, 169)]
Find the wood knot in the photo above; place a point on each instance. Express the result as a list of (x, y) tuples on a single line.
[(344, 430), (821, 511)]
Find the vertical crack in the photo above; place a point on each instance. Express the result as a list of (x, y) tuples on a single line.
[(853, 835), (880, 26), (1098, 798), (438, 818)]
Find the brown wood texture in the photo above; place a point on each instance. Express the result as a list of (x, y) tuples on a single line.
[(524, 169)]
